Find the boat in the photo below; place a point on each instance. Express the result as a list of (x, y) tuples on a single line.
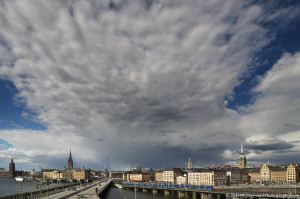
[(19, 178), (119, 186)]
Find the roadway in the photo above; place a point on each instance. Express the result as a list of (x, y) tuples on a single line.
[(86, 191)]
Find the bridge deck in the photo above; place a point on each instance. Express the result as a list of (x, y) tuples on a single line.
[(86, 192)]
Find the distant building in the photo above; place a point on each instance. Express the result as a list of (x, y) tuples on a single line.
[(70, 161), (278, 175), (220, 177), (292, 173), (181, 179), (50, 173), (105, 173), (169, 175), (80, 174), (242, 158), (116, 175), (265, 173), (200, 178), (69, 174), (254, 175), (139, 177), (159, 177), (190, 166), (11, 172)]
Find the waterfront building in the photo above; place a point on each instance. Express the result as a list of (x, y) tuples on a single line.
[(52, 174), (237, 176), (126, 176), (242, 158), (140, 177), (12, 168), (159, 177), (219, 178), (80, 174), (201, 178), (292, 173), (169, 175), (254, 175), (70, 161), (57, 174), (117, 175), (190, 166), (67, 174), (265, 173), (48, 173), (181, 179), (278, 175), (11, 172)]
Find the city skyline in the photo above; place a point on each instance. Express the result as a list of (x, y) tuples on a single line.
[(136, 83)]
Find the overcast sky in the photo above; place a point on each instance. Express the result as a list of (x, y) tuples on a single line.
[(143, 83)]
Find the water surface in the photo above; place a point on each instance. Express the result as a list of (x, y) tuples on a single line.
[(9, 186)]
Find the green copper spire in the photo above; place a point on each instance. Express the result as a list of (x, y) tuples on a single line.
[(242, 158), (242, 148)]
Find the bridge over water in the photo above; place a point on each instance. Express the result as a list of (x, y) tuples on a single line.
[(209, 192)]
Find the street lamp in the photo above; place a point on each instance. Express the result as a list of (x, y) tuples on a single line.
[(135, 192)]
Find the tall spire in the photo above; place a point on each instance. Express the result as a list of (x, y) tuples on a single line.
[(70, 156), (190, 164), (70, 161), (242, 158), (242, 151)]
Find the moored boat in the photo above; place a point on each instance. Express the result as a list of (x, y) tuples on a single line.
[(19, 178), (119, 186)]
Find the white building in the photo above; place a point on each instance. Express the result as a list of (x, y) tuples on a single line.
[(265, 173), (201, 178), (181, 179), (169, 175)]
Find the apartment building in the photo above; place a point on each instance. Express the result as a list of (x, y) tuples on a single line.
[(292, 173)]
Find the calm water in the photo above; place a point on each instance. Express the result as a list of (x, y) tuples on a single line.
[(115, 193), (9, 186)]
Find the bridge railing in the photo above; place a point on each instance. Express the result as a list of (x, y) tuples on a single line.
[(167, 186), (103, 187)]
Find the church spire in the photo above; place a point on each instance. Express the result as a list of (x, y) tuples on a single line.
[(70, 161), (242, 151), (190, 164), (242, 158), (70, 156)]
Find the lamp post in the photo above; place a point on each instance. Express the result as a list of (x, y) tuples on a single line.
[(21, 190), (48, 190), (135, 191)]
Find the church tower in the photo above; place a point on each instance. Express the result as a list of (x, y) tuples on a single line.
[(70, 161), (242, 158), (190, 164), (12, 168), (105, 171)]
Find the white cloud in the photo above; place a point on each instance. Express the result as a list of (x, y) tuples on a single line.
[(133, 78), (273, 120)]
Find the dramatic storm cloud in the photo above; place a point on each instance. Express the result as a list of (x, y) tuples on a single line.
[(146, 83)]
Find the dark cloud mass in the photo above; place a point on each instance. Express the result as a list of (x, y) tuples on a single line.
[(271, 144), (142, 83)]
